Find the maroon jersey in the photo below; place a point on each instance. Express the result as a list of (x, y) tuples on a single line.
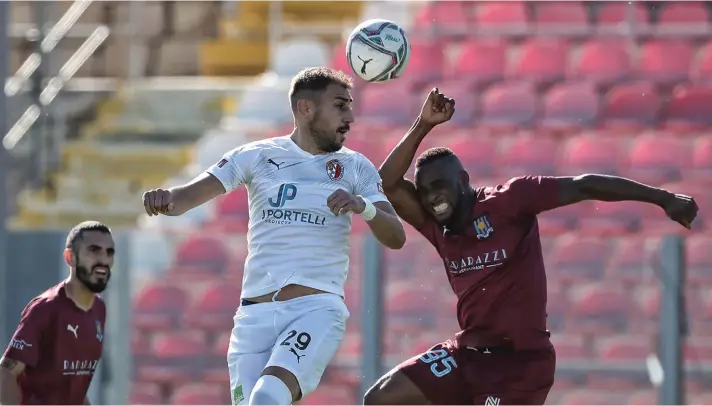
[(61, 345), (496, 267)]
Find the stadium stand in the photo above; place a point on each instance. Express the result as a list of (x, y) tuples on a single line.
[(541, 88)]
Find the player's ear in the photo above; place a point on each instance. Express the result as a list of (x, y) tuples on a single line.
[(305, 107), (68, 257)]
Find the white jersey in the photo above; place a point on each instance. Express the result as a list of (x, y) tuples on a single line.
[(293, 237)]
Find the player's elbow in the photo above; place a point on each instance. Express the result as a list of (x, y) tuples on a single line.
[(396, 240)]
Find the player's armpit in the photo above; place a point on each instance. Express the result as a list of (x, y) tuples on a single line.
[(406, 203), (200, 190)]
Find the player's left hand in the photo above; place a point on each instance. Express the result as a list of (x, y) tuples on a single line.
[(343, 202), (682, 209), (437, 108)]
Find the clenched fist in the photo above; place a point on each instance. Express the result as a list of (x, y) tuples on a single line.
[(343, 202), (437, 108), (682, 209), (157, 201)]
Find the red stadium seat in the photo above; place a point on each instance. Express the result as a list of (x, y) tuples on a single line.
[(214, 309), (614, 15), (561, 220), (625, 348), (233, 204), (570, 106), (656, 159), (445, 17), (480, 61), (665, 62), (476, 153), (200, 394), (140, 345), (426, 64), (502, 17), (701, 168), (568, 17), (329, 395), (387, 102), (598, 309), (643, 397), (590, 153), (507, 106), (683, 17), (158, 306), (571, 347), (634, 257), (541, 61), (690, 108), (338, 59), (577, 258), (177, 358), (409, 302), (602, 62), (631, 107), (701, 69), (203, 251), (590, 397), (527, 154), (699, 259), (698, 350), (145, 394), (465, 99), (610, 219)]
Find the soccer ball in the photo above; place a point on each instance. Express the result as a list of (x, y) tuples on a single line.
[(378, 50)]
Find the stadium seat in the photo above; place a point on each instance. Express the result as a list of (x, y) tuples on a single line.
[(577, 258), (338, 59), (329, 395), (200, 394), (655, 159), (443, 18), (633, 258), (145, 394), (690, 108), (476, 153), (701, 168), (598, 309), (214, 309), (541, 61), (502, 17), (698, 350), (427, 62), (625, 348), (701, 69), (140, 344), (480, 61), (683, 18), (177, 358), (158, 306), (203, 251), (562, 18), (392, 103), (561, 220), (571, 347), (526, 154), (465, 99), (590, 397), (602, 61), (665, 62), (614, 16), (231, 212), (699, 259), (643, 397), (631, 107), (610, 219), (590, 153), (569, 107), (507, 106)]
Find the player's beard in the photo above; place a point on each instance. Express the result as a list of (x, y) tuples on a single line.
[(84, 276), (324, 140)]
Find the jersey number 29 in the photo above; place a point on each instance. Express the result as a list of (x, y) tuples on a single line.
[(440, 362)]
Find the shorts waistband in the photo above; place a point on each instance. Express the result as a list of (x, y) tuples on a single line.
[(245, 302)]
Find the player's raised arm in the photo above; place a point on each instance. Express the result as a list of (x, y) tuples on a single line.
[(401, 193), (229, 173)]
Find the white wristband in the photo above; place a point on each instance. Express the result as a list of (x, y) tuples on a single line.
[(370, 211)]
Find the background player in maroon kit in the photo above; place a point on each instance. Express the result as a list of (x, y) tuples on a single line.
[(489, 241), (53, 354)]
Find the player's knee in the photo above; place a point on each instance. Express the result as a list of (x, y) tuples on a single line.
[(270, 390)]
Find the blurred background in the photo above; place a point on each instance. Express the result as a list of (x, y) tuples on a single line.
[(107, 99)]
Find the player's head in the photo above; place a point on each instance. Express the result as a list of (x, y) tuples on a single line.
[(90, 254), (441, 182), (321, 103)]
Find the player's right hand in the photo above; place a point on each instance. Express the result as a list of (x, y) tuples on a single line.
[(682, 209), (157, 201), (437, 109)]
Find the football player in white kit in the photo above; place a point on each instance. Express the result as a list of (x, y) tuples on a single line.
[(303, 189)]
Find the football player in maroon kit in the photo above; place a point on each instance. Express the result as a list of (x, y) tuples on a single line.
[(488, 239), (54, 352)]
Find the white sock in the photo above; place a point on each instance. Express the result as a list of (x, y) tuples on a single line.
[(270, 390)]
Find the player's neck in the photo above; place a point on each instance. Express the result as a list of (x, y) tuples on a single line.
[(461, 219), (305, 141), (79, 294)]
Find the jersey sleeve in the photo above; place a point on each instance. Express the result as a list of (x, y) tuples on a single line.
[(530, 195), (25, 343), (234, 169), (368, 181)]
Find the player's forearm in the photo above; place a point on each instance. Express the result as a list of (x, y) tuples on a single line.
[(9, 392), (388, 229), (615, 189), (182, 201), (396, 165)]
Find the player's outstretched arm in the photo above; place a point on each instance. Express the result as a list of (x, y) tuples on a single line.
[(179, 199), (401, 193), (680, 208), (10, 369)]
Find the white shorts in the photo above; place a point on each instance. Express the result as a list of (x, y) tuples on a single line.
[(300, 335)]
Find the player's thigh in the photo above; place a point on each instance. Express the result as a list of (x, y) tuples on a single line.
[(437, 375), (309, 342), (251, 342)]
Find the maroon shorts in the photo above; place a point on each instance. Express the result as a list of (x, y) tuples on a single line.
[(461, 376)]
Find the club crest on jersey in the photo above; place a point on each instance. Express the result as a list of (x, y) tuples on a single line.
[(99, 331), (483, 228), (334, 169)]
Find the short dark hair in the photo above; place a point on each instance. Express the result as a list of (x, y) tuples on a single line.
[(433, 154), (77, 233), (313, 80)]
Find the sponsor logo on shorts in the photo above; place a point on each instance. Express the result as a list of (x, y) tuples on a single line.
[(491, 401), (20, 344), (237, 395)]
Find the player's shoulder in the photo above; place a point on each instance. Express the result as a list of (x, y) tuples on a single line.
[(258, 146), (46, 300), (350, 155)]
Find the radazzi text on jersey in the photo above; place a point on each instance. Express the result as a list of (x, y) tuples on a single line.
[(291, 228)]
